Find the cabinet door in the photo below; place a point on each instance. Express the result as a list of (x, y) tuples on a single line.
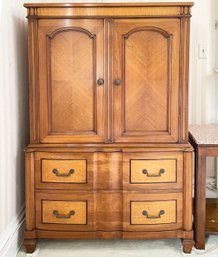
[(70, 63), (146, 61)]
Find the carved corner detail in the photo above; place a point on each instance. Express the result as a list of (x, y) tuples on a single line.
[(185, 10)]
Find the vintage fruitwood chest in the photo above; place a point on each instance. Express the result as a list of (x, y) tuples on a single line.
[(108, 101)]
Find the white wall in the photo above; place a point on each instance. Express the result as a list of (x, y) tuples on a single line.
[(13, 100), (203, 94)]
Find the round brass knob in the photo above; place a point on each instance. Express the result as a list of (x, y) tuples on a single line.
[(117, 82), (100, 82)]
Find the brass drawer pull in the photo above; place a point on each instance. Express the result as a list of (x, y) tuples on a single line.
[(58, 174), (145, 213), (63, 216), (161, 171)]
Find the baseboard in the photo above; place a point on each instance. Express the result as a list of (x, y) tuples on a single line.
[(11, 239)]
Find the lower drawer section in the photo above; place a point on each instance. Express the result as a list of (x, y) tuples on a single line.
[(109, 211), (152, 212), (61, 211)]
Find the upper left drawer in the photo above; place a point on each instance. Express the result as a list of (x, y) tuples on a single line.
[(63, 171)]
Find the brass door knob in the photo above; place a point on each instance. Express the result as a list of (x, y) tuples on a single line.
[(117, 82), (100, 82)]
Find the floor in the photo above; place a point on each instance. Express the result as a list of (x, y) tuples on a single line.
[(118, 248)]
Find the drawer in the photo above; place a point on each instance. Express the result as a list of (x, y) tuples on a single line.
[(64, 171), (61, 211), (64, 212), (152, 212), (153, 170)]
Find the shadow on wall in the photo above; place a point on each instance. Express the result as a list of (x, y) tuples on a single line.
[(21, 66)]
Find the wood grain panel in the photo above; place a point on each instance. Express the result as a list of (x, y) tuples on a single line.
[(146, 60), (70, 62), (135, 204), (65, 171), (81, 202), (108, 210), (72, 74), (64, 212), (211, 216), (108, 170), (146, 74), (153, 212), (58, 170), (154, 170)]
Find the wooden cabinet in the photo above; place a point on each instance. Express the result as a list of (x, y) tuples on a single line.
[(108, 154)]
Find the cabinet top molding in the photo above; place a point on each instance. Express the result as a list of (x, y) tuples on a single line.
[(143, 4), (88, 10)]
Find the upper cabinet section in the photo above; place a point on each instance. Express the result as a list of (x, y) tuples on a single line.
[(109, 73)]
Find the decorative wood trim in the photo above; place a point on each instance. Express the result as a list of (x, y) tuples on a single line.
[(184, 80), (126, 147), (87, 5), (109, 10), (186, 10), (187, 195), (147, 28), (108, 50), (33, 81), (30, 188), (65, 29)]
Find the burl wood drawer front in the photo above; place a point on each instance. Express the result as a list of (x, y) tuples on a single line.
[(64, 170), (152, 212), (153, 170), (64, 211)]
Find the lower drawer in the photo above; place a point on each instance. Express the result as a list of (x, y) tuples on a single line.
[(152, 212), (60, 211)]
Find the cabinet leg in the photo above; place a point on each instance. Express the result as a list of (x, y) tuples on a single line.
[(187, 245), (30, 245)]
